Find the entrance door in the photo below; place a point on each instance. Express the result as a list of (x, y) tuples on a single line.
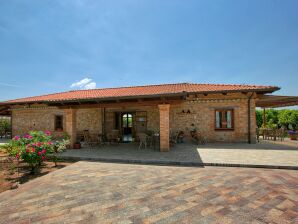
[(127, 125)]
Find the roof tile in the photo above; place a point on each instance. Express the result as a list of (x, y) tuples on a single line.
[(138, 91)]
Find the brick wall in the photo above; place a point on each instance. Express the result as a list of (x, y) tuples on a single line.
[(201, 115)]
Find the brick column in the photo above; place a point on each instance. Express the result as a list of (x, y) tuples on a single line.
[(253, 129), (70, 121), (164, 127)]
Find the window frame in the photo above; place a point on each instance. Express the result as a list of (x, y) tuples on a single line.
[(58, 128), (223, 119)]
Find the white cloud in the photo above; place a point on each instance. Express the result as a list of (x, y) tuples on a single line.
[(85, 83), (90, 85)]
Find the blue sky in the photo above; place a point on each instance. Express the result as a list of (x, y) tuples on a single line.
[(49, 46)]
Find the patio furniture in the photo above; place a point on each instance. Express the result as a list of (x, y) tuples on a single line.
[(143, 137), (89, 140), (271, 134), (100, 139), (150, 138), (113, 137), (197, 138), (178, 137), (280, 134)]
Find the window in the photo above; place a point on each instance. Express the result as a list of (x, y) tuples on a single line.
[(58, 123), (224, 119)]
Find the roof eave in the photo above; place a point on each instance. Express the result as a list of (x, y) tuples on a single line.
[(261, 90)]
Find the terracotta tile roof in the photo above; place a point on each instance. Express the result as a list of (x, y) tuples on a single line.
[(139, 91)]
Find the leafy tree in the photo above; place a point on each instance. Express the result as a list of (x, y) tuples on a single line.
[(287, 118), (4, 126), (272, 116), (259, 118)]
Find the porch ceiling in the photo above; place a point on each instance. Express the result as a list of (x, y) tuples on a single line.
[(4, 111), (276, 101)]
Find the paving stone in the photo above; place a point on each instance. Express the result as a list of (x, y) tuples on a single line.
[(94, 192)]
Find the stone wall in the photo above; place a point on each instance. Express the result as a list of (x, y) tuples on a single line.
[(40, 118), (43, 118), (198, 110), (89, 119)]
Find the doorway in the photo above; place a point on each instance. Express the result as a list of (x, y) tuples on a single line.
[(127, 126)]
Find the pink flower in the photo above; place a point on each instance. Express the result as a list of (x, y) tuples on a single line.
[(17, 137), (17, 156), (42, 158), (43, 151), (33, 149), (28, 136), (50, 143), (39, 144), (48, 133), (39, 153)]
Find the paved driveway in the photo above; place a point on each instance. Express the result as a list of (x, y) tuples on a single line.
[(92, 192)]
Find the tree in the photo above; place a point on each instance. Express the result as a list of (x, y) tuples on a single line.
[(272, 116), (4, 126), (294, 119), (288, 118), (259, 118)]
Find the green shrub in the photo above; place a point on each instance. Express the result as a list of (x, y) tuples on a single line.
[(59, 146), (32, 148)]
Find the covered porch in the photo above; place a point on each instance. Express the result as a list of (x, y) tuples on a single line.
[(265, 154), (119, 123)]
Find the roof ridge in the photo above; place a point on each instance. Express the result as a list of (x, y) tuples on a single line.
[(123, 87), (145, 89), (221, 84), (81, 90)]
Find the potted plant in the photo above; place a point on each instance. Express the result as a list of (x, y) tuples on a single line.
[(77, 145), (293, 134)]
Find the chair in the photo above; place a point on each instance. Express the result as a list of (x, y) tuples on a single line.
[(113, 137), (88, 140), (176, 138), (150, 138), (198, 138), (280, 133), (100, 139), (143, 139)]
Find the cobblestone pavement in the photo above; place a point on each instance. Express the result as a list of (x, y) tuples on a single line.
[(93, 192), (265, 153)]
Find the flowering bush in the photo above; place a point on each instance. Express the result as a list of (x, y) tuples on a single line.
[(32, 148)]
